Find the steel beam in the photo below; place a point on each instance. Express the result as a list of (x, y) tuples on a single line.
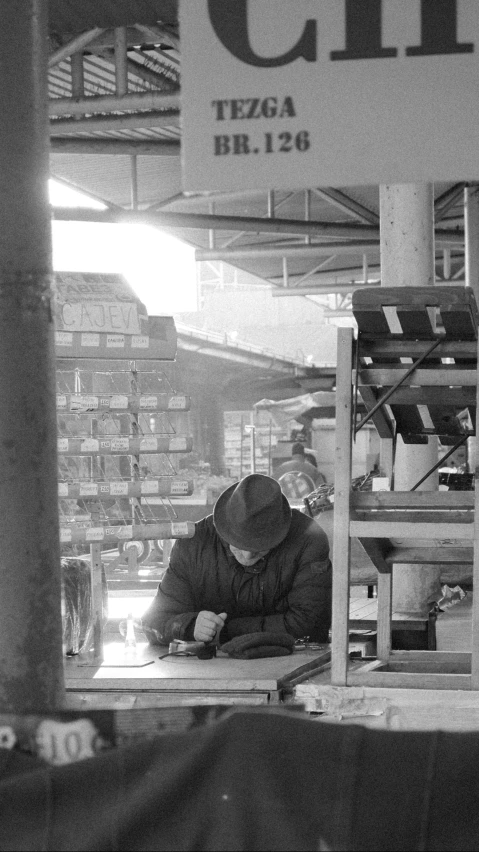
[(205, 221), (322, 289), (126, 148), (94, 105), (158, 35), (121, 61), (86, 192), (348, 205), (302, 250), (74, 46), (134, 121), (447, 200), (31, 661)]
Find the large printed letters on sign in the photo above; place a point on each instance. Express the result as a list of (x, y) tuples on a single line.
[(229, 19), (363, 33)]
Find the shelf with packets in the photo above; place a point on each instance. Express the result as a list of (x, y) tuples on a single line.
[(115, 439), (118, 440)]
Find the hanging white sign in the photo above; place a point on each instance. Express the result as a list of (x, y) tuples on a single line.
[(300, 93)]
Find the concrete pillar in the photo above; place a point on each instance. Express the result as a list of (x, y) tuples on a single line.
[(471, 247), (31, 663), (407, 259), (471, 235)]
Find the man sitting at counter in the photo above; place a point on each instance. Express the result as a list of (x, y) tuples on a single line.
[(254, 565)]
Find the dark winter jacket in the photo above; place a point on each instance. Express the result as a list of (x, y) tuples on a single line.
[(288, 590)]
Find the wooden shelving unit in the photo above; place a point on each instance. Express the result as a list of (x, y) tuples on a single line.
[(117, 428), (414, 365)]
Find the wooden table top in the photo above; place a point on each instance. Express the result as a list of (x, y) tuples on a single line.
[(124, 670)]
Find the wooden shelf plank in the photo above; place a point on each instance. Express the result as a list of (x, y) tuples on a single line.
[(451, 376), (431, 531), (409, 680), (433, 555), (412, 499)]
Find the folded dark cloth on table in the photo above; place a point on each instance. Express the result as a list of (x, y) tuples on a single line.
[(250, 646)]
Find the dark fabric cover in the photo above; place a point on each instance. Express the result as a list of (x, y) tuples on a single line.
[(287, 591), (251, 646), (255, 780)]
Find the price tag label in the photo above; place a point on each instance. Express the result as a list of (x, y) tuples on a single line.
[(149, 443), (62, 445), (177, 445), (179, 529), (179, 487), (118, 489), (149, 487), (120, 445), (177, 403), (63, 489), (124, 532), (90, 340), (150, 402), (115, 341), (61, 402), (89, 489), (118, 401), (140, 341), (81, 404), (89, 445), (65, 534), (95, 534), (64, 338)]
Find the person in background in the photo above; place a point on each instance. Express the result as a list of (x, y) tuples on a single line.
[(311, 458), (298, 463), (254, 565)]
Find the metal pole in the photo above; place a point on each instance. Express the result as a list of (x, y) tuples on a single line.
[(249, 427), (121, 56), (134, 182), (31, 662)]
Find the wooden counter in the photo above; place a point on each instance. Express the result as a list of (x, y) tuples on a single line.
[(143, 680)]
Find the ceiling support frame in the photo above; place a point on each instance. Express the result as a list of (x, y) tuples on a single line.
[(299, 250), (113, 147), (348, 205), (158, 34), (121, 61), (307, 275), (74, 46), (447, 200), (78, 76), (109, 204), (93, 105), (323, 289), (209, 221), (103, 124)]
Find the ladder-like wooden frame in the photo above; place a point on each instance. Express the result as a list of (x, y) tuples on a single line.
[(438, 527)]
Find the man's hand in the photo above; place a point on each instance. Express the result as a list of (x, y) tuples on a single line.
[(207, 625)]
